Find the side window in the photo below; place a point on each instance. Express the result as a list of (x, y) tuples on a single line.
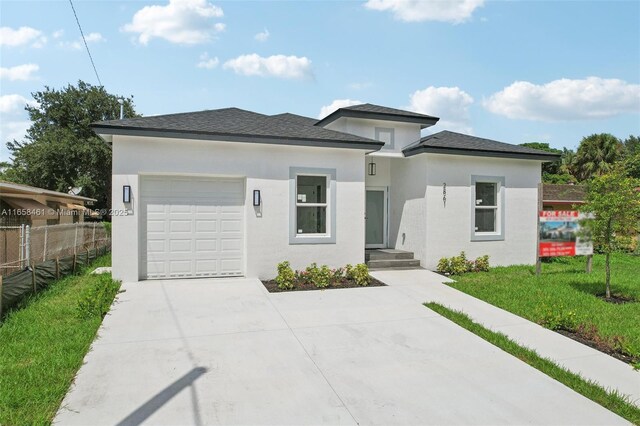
[(311, 204), (312, 215), (386, 135), (487, 208)]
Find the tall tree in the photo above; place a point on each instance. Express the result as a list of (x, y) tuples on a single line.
[(597, 155), (614, 201), (60, 149), (553, 172), (632, 146)]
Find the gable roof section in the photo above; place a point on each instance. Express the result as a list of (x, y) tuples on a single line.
[(447, 142), (236, 125), (378, 112)]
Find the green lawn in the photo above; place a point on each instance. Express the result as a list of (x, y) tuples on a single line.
[(43, 343), (610, 400), (564, 296)]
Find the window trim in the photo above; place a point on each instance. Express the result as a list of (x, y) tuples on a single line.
[(498, 235), (391, 131), (330, 236)]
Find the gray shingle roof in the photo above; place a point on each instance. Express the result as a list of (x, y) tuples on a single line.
[(234, 124), (447, 142), (379, 112), (564, 193)]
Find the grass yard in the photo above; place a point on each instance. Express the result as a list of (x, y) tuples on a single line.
[(610, 400), (564, 297), (42, 345)]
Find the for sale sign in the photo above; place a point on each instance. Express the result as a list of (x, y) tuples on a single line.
[(560, 234)]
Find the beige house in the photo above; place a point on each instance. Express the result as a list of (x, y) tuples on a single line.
[(22, 204)]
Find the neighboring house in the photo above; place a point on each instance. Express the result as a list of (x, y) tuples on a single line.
[(28, 205), (562, 197), (230, 192)]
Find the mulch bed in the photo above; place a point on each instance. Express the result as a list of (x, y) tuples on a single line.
[(600, 346), (272, 286), (616, 299)]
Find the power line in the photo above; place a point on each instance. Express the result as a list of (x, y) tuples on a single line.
[(85, 42)]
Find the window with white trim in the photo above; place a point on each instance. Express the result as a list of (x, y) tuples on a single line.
[(487, 215), (486, 211), (312, 214), (311, 204)]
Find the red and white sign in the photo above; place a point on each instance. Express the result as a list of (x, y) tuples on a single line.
[(560, 236)]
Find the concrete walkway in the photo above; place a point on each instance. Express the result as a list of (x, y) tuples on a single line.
[(227, 352), (426, 286)]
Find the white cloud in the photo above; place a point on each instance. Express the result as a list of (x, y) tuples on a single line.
[(180, 21), (207, 62), (337, 104), (455, 11), (21, 36), (14, 103), (360, 85), (19, 72), (78, 44), (281, 66), (262, 36), (10, 130), (451, 104), (58, 34), (566, 99)]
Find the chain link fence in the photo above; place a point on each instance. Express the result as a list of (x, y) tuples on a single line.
[(23, 246)]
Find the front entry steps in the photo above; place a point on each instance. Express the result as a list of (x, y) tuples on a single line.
[(390, 259)]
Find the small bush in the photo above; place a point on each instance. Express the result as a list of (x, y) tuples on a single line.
[(323, 277), (360, 274), (95, 299), (458, 265), (557, 318), (286, 277), (481, 264)]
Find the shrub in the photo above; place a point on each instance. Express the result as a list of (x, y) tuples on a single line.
[(95, 299), (481, 264), (286, 277), (360, 274), (557, 318), (458, 265)]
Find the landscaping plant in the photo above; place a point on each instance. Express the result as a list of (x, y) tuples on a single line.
[(458, 265), (613, 200), (286, 277)]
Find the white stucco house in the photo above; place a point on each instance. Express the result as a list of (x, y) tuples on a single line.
[(230, 192)]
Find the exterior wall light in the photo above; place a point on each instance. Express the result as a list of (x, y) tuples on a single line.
[(257, 199), (372, 168), (126, 194)]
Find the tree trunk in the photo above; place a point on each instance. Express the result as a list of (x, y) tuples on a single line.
[(608, 275), (607, 261)]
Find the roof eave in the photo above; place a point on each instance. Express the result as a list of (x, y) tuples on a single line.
[(107, 133), (423, 121), (478, 153)]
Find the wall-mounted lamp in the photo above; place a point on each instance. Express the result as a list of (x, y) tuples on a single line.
[(372, 168), (126, 194), (257, 200)]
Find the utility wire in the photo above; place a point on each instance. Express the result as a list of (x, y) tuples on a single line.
[(85, 42)]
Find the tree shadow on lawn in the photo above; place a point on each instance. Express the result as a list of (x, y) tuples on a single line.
[(597, 289)]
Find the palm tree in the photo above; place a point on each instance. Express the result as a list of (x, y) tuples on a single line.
[(596, 155)]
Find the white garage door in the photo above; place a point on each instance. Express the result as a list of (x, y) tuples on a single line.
[(193, 227)]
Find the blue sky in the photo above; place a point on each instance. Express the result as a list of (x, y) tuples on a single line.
[(512, 71)]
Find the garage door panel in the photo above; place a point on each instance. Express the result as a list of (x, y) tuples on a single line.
[(194, 227)]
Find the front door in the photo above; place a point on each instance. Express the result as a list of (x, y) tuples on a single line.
[(376, 218)]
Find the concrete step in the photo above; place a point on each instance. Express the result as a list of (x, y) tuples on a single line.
[(393, 263), (387, 254)]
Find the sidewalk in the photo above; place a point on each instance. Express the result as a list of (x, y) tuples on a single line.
[(426, 286)]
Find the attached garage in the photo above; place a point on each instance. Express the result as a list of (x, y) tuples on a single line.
[(191, 227)]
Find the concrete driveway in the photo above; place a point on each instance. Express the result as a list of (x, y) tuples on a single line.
[(226, 352)]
